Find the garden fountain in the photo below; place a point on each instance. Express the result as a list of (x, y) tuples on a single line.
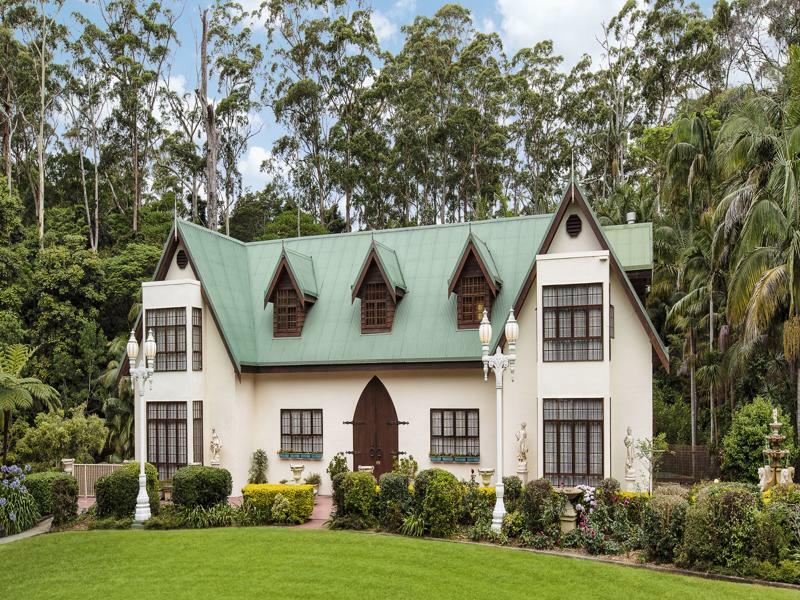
[(773, 473)]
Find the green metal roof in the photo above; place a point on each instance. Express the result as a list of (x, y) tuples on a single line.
[(485, 255), (234, 275)]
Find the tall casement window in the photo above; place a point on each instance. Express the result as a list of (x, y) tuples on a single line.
[(166, 437), (573, 322), (197, 339), (573, 441), (197, 431), (374, 304), (169, 327), (301, 430), (455, 432), (286, 309)]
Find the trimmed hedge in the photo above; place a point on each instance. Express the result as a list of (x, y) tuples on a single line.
[(65, 500), (40, 485), (358, 490), (261, 496), (201, 486), (116, 493), (437, 500), (541, 507), (394, 500)]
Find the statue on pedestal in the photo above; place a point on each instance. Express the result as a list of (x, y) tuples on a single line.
[(522, 453), (630, 473), (216, 448)]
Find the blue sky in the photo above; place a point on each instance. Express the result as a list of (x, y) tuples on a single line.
[(573, 25)]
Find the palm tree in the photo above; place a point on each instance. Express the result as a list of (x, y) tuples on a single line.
[(17, 392), (690, 160), (764, 291), (118, 406)]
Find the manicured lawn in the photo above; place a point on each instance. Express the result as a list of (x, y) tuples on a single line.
[(293, 563)]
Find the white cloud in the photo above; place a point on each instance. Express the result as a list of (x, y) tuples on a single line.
[(573, 25), (177, 84), (250, 167), (383, 26)]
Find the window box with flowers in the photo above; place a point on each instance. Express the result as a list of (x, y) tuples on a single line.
[(455, 458), (302, 455)]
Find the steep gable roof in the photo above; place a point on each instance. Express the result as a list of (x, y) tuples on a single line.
[(386, 260), (300, 269), (475, 246), (425, 328), (574, 196)]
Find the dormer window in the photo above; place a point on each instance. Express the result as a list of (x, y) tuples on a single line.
[(285, 315), (379, 286), (475, 282), (292, 291)]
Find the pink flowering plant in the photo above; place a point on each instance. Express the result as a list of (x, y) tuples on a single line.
[(18, 510)]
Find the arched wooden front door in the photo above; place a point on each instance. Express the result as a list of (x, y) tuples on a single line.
[(375, 429)]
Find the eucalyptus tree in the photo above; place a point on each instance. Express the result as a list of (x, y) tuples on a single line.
[(131, 45)]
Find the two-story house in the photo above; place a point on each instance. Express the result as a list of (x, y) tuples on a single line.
[(367, 343)]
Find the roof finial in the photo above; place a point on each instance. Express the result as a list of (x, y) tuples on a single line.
[(572, 168), (175, 216)]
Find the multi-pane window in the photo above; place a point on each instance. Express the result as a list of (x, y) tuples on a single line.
[(473, 298), (374, 306), (301, 430), (169, 327), (166, 437), (573, 322), (455, 432), (286, 306), (197, 339), (573, 441), (197, 431)]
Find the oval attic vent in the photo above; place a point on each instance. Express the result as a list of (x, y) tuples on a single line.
[(574, 225), (182, 259)]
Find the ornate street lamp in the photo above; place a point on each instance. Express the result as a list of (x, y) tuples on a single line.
[(498, 362), (141, 375)]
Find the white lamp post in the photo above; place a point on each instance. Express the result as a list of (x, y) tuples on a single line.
[(498, 362), (141, 375)]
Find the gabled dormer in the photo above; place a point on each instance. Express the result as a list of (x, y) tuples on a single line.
[(475, 281), (379, 286), (292, 291)]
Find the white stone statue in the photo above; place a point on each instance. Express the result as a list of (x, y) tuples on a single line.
[(629, 472), (216, 447), (522, 444), (764, 477), (786, 476)]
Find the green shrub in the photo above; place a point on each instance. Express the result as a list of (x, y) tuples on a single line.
[(477, 504), (394, 500), (662, 526), (358, 491), (596, 542), (65, 500), (116, 493), (40, 485), (720, 527), (166, 519), (300, 498), (337, 465), (202, 517), (437, 499), (607, 491), (405, 466), (337, 493), (512, 494), (777, 532), (281, 509), (742, 447), (514, 524), (200, 486), (18, 509), (111, 523), (541, 506), (259, 465)]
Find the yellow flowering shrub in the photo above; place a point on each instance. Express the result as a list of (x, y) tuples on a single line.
[(300, 498)]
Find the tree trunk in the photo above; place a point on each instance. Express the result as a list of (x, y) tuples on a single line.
[(6, 428), (210, 124), (712, 414), (797, 407)]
